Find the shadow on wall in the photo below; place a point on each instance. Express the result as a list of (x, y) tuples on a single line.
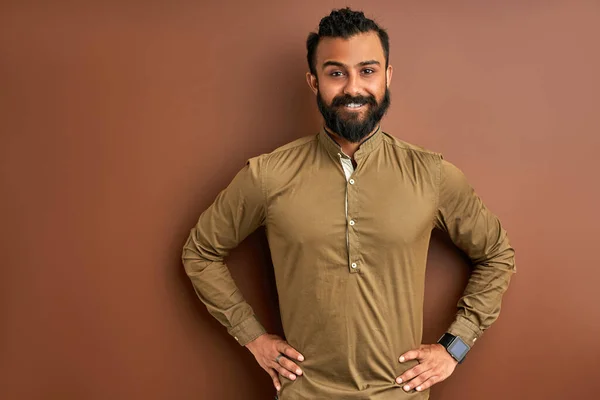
[(284, 110), (448, 271)]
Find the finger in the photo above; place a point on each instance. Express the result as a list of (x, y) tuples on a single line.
[(284, 372), (275, 379), (289, 351), (418, 380), (428, 383), (410, 355), (413, 372), (289, 365)]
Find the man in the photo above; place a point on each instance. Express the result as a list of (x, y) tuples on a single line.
[(348, 215)]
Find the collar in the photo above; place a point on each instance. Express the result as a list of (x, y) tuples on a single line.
[(365, 147)]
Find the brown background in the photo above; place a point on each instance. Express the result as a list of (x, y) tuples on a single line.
[(121, 122)]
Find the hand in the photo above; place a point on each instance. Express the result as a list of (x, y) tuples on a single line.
[(266, 349), (435, 365)]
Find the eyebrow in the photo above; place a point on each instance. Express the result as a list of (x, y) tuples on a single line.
[(360, 64)]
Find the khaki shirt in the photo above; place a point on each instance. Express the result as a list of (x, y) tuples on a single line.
[(349, 248)]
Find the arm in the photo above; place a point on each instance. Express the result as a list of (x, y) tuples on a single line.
[(236, 212), (478, 233)]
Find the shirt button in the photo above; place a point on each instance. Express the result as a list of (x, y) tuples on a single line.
[(351, 222), (351, 181), (353, 265)]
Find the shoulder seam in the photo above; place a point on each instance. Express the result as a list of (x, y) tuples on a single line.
[(265, 170)]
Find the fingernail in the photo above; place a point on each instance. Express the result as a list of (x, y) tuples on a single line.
[(278, 388), (418, 388), (402, 359), (292, 377), (399, 380), (407, 388), (298, 371), (301, 357)]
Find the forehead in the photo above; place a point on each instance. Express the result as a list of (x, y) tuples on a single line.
[(351, 51)]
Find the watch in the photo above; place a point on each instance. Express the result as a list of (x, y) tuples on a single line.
[(457, 348)]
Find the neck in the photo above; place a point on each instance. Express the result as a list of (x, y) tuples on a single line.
[(349, 148)]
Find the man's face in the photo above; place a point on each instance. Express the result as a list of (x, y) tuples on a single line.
[(351, 84)]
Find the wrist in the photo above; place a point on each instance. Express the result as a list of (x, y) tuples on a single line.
[(448, 355), (255, 342), (455, 346)]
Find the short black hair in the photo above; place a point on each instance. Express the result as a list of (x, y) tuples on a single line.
[(344, 23)]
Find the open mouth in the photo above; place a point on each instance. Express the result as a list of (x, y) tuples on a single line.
[(354, 106)]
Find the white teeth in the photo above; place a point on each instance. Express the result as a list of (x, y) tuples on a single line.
[(354, 105)]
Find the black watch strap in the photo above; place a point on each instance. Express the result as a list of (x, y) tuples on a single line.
[(446, 339), (455, 346)]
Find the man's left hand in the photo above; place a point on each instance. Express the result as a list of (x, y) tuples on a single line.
[(435, 365)]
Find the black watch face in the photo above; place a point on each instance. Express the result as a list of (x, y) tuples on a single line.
[(458, 348)]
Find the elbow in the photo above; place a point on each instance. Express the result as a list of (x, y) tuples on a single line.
[(191, 254), (196, 257)]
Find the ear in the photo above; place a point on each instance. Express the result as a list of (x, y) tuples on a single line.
[(388, 75), (312, 81)]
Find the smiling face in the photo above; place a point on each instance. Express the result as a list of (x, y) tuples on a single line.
[(351, 84)]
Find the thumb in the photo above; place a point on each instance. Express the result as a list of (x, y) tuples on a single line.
[(410, 355)]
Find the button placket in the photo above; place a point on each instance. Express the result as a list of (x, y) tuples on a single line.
[(354, 258)]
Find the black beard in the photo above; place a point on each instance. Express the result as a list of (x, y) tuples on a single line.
[(350, 127)]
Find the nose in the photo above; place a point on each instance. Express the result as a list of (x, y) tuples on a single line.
[(352, 87)]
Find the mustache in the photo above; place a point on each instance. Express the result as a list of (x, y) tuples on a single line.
[(344, 100)]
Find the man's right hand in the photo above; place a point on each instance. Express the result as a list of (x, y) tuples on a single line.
[(266, 349)]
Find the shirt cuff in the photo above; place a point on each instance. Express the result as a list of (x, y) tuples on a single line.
[(467, 331), (247, 330)]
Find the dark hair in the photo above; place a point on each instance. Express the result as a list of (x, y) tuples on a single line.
[(344, 23)]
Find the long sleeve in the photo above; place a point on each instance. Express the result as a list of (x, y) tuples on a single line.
[(478, 233), (236, 212)]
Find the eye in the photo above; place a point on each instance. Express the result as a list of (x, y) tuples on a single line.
[(368, 71), (336, 73)]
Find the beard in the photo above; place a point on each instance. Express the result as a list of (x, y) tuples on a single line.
[(348, 124)]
